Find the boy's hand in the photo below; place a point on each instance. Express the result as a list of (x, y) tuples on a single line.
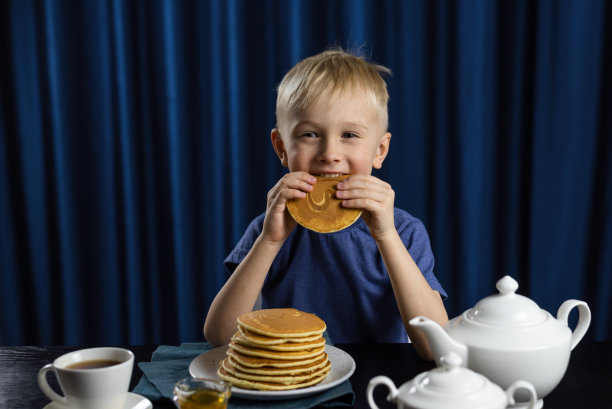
[(375, 197), (278, 223)]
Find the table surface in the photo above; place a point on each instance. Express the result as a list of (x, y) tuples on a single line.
[(586, 384)]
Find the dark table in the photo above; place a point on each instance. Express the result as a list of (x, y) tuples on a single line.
[(586, 384)]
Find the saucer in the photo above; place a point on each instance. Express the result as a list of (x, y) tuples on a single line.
[(133, 401)]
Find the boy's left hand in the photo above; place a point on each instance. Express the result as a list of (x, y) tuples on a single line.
[(375, 197)]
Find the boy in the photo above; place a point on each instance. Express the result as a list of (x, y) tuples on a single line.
[(366, 281)]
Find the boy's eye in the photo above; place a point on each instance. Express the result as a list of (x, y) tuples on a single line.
[(309, 135), (349, 135)]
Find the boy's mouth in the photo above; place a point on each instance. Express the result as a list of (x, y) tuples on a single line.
[(330, 175)]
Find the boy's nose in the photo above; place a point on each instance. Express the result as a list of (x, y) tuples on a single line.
[(330, 151)]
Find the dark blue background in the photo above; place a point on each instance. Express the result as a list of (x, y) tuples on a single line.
[(134, 150)]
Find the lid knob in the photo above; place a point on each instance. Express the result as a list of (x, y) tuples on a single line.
[(450, 360), (506, 285)]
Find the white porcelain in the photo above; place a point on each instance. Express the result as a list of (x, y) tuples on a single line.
[(132, 401), (450, 386), (100, 388), (206, 364), (507, 337)]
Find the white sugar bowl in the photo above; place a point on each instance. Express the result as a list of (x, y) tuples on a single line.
[(450, 386)]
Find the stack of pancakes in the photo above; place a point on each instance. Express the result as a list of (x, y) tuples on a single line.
[(276, 349)]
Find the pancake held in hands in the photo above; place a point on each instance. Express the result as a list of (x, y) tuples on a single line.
[(321, 210), (276, 349)]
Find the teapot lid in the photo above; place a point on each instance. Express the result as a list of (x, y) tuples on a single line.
[(451, 384), (507, 308)]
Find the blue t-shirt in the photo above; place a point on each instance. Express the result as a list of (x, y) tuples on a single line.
[(341, 277)]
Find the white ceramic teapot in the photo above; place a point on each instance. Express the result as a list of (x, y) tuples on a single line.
[(450, 386), (507, 337)]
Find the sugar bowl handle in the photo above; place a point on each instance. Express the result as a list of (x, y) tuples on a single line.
[(584, 319), (377, 380), (533, 397)]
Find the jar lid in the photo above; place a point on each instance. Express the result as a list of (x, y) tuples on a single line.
[(507, 308)]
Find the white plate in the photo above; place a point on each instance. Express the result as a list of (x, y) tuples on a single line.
[(133, 401), (342, 367)]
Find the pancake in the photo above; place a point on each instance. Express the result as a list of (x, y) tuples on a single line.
[(282, 323), (285, 379), (321, 210), (276, 349), (260, 362), (290, 370), (266, 386), (285, 346), (260, 339), (281, 355)]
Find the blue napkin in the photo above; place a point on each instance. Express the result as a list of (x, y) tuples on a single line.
[(171, 363)]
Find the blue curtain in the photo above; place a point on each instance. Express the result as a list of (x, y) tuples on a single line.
[(134, 150)]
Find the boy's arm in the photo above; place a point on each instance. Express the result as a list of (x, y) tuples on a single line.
[(412, 292), (239, 293)]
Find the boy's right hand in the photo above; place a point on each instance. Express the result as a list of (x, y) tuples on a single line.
[(278, 223)]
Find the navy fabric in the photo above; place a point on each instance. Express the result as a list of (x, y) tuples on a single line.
[(170, 363), (135, 150), (341, 277)]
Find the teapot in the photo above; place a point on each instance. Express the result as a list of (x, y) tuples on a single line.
[(450, 386), (507, 337)]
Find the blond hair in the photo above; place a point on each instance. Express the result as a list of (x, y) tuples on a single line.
[(324, 76)]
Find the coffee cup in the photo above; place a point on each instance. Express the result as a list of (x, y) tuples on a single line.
[(94, 378)]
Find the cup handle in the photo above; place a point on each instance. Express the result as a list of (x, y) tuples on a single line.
[(584, 319), (44, 385), (375, 382), (533, 396)]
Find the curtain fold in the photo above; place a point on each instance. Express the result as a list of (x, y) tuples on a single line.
[(134, 150)]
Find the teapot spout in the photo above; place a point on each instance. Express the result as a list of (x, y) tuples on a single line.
[(439, 340)]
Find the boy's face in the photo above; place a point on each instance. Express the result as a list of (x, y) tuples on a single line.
[(344, 137)]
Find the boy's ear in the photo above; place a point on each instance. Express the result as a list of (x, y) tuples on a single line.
[(279, 146), (381, 151)]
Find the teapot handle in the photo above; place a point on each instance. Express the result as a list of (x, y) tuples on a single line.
[(375, 382), (584, 319)]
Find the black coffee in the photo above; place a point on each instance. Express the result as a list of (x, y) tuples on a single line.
[(93, 364)]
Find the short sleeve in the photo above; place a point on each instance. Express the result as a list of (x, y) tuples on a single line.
[(244, 245), (414, 236)]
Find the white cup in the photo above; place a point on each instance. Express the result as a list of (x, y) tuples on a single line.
[(98, 388)]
